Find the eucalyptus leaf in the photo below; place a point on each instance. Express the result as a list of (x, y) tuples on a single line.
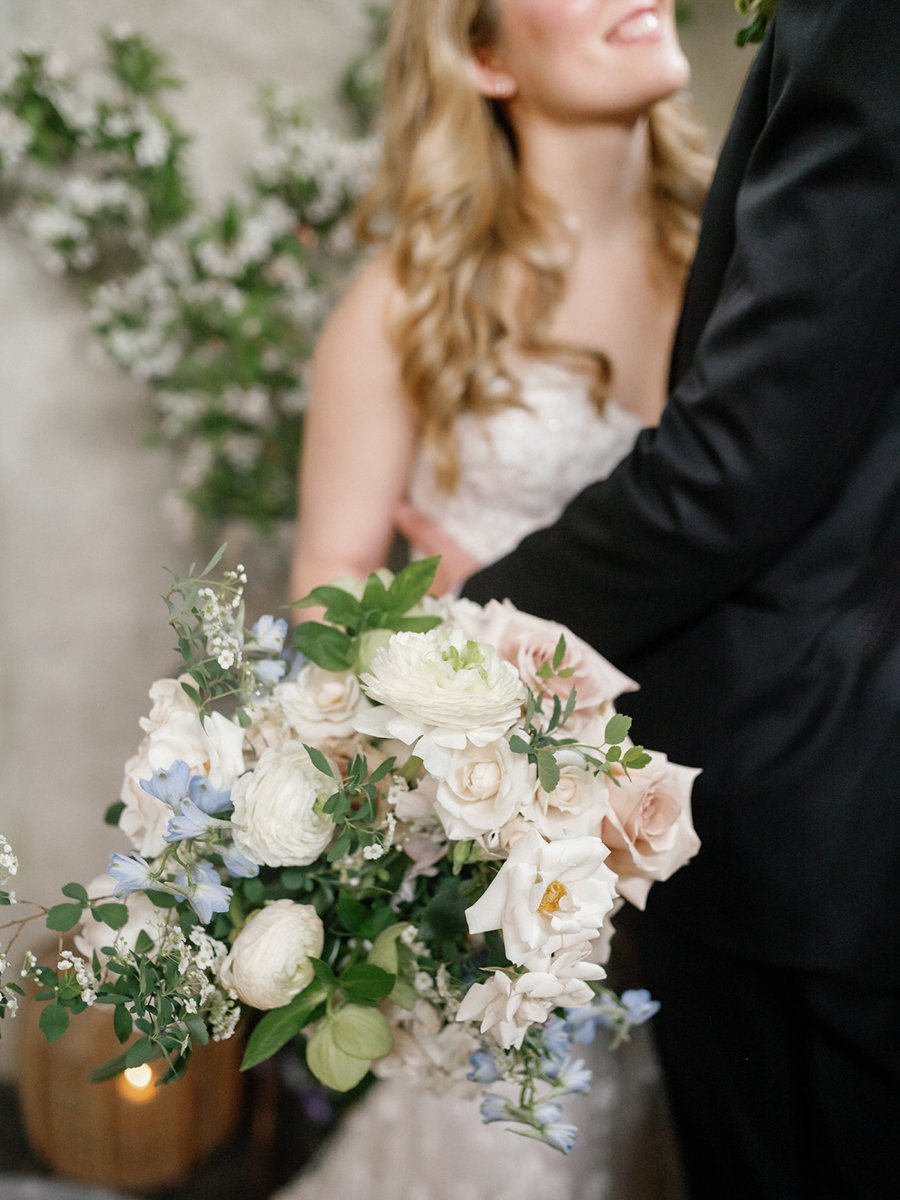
[(384, 949), (362, 1032), (319, 761), (617, 729), (404, 995), (548, 770), (331, 1065), (281, 1024)]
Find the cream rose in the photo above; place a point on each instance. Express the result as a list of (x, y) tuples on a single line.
[(575, 807), (547, 896), (275, 820), (648, 826), (168, 696), (483, 788), (439, 692), (269, 962), (320, 705)]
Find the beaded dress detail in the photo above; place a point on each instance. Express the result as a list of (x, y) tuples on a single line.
[(521, 465)]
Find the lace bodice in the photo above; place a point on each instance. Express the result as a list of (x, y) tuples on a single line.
[(521, 465)]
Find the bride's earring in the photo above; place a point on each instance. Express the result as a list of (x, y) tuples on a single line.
[(504, 88)]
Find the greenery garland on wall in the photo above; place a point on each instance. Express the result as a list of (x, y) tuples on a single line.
[(217, 311)]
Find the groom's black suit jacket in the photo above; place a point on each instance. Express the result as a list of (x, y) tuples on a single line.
[(743, 563)]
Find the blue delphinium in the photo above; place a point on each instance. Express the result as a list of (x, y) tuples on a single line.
[(192, 822), (495, 1108), (639, 1006), (204, 890), (483, 1067), (571, 1076), (170, 784), (206, 797), (131, 873), (268, 635), (238, 864), (560, 1136)]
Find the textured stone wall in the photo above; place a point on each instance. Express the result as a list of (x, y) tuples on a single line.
[(82, 538)]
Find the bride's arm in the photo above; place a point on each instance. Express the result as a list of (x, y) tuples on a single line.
[(359, 440)]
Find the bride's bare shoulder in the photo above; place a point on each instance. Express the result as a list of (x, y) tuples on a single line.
[(366, 307)]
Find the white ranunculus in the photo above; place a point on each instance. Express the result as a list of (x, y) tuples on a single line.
[(320, 704), (529, 642), (483, 788), (546, 897), (143, 917), (507, 1006), (440, 692), (576, 806), (269, 962), (275, 820)]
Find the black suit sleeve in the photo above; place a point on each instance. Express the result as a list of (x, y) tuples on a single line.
[(795, 364)]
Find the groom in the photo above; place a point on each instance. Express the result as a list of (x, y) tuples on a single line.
[(743, 563)]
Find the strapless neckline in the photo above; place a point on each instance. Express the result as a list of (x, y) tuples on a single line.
[(521, 465)]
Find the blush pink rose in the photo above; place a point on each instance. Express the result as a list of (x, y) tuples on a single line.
[(648, 827), (529, 642)]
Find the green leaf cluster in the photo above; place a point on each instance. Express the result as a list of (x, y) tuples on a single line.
[(341, 644), (63, 917), (352, 806)]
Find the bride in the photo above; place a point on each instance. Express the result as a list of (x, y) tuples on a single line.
[(536, 212)]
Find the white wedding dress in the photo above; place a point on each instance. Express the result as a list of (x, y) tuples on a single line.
[(519, 467)]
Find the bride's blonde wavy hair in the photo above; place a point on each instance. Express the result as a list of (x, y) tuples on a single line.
[(454, 211)]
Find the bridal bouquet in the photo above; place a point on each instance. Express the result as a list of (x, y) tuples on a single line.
[(402, 839)]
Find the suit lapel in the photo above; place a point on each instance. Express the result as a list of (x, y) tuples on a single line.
[(717, 233)]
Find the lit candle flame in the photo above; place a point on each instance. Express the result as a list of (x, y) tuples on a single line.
[(139, 1077)]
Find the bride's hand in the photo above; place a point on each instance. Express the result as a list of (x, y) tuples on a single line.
[(456, 564)]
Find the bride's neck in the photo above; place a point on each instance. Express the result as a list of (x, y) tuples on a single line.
[(598, 175)]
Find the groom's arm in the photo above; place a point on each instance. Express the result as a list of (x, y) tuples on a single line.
[(796, 362)]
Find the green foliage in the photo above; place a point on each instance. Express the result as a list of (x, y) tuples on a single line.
[(760, 13), (346, 643), (278, 1027), (216, 311)]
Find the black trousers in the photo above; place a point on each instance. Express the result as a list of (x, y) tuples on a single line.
[(784, 1084)]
